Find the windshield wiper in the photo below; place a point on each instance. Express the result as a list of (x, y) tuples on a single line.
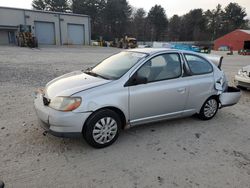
[(89, 72)]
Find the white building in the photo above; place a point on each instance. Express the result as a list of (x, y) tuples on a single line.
[(50, 28)]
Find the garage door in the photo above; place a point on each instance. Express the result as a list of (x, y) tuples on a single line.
[(75, 34), (4, 38), (45, 32)]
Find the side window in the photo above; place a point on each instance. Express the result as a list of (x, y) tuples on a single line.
[(198, 65), (162, 67), (158, 61)]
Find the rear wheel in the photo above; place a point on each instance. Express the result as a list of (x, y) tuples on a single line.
[(209, 109), (102, 128)]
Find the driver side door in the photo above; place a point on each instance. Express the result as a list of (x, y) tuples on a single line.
[(164, 94)]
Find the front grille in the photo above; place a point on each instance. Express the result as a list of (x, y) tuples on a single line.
[(46, 101)]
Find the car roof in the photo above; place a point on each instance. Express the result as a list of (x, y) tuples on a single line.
[(152, 51)]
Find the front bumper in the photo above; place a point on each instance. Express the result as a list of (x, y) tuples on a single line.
[(47, 129), (62, 124), (242, 81)]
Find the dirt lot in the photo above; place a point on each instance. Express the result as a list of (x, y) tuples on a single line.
[(177, 153)]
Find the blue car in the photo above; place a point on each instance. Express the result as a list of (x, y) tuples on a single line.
[(185, 47)]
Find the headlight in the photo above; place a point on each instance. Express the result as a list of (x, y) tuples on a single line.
[(65, 104)]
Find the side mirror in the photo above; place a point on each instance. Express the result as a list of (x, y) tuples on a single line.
[(140, 80), (136, 80)]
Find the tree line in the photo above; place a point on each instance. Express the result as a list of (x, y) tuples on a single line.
[(117, 18)]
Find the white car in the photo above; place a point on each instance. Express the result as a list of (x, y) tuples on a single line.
[(130, 88), (242, 79)]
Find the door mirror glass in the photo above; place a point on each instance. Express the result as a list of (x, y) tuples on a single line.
[(136, 80)]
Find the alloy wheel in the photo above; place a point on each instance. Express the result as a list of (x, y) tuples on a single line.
[(105, 130), (210, 108)]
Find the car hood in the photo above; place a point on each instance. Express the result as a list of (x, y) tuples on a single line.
[(68, 84)]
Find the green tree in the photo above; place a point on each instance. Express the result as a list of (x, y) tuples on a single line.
[(174, 28), (93, 8), (138, 24), (247, 24), (193, 26), (58, 5), (51, 5), (214, 22), (233, 17), (39, 4), (89, 7), (116, 18), (158, 21)]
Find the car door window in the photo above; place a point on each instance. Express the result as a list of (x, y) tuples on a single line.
[(198, 65), (161, 67), (158, 61)]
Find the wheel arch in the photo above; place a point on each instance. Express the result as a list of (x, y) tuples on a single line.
[(114, 109), (201, 113), (217, 97)]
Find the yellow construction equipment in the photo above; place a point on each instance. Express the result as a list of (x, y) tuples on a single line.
[(25, 37), (127, 42)]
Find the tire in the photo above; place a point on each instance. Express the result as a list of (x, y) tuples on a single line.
[(209, 109), (102, 128), (1, 184)]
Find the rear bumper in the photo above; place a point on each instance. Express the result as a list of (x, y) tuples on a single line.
[(230, 97), (57, 123)]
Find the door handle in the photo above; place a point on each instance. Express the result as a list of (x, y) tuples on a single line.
[(181, 90)]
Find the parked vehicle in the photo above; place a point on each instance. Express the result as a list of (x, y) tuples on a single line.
[(242, 79), (127, 42), (130, 88), (186, 47), (224, 48), (25, 37), (246, 49)]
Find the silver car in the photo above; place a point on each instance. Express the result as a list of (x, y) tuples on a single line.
[(130, 88)]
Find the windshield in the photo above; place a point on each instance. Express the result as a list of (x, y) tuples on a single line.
[(117, 65)]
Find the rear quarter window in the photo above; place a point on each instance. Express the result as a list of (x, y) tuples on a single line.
[(198, 65)]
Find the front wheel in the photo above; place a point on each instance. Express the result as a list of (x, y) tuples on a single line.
[(102, 128), (209, 109)]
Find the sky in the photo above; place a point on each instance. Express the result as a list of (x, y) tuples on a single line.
[(181, 7), (172, 7)]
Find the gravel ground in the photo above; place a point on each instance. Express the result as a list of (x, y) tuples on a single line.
[(178, 153)]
